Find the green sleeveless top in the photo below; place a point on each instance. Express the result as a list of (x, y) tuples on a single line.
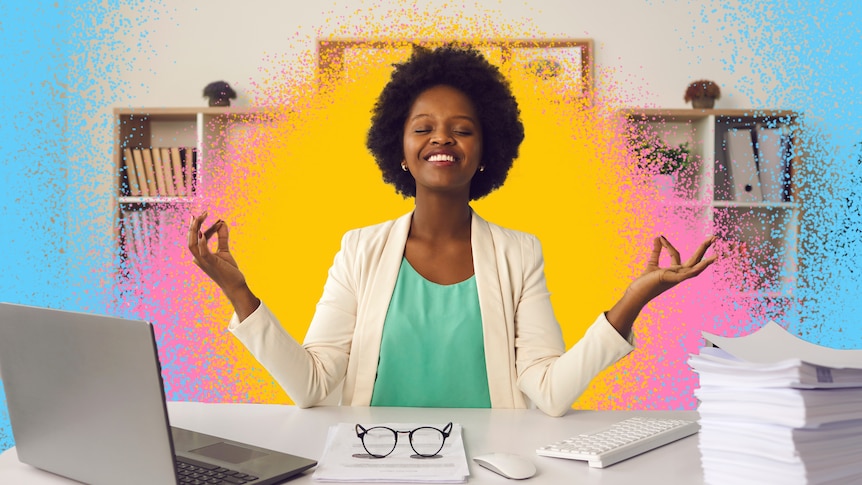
[(432, 352)]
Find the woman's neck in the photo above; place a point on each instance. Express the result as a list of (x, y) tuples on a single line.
[(437, 218)]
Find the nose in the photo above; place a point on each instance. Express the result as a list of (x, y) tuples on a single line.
[(442, 139)]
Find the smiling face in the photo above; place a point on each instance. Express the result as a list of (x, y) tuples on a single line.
[(442, 141)]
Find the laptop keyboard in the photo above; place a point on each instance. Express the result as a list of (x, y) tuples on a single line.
[(199, 473)]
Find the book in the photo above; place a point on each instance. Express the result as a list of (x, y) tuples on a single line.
[(150, 170), (139, 169), (177, 165), (160, 172), (168, 172), (742, 165), (189, 170), (131, 174), (773, 159)]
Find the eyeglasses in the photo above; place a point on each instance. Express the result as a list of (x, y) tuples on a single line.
[(380, 441)]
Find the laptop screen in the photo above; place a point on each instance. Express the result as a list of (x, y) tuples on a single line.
[(82, 390)]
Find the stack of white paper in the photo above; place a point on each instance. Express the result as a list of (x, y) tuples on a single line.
[(775, 409), (345, 460)]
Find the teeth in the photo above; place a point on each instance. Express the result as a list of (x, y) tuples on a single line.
[(441, 158)]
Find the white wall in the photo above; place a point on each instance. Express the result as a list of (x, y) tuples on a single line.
[(650, 50)]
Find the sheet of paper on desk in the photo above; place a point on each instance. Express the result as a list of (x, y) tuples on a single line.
[(772, 343), (779, 358), (344, 460)]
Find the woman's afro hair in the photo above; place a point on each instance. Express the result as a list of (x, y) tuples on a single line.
[(465, 69)]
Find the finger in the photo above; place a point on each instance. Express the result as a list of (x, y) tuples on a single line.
[(688, 273), (212, 229), (203, 249), (655, 254), (223, 234), (701, 250), (674, 254), (699, 267), (194, 230)]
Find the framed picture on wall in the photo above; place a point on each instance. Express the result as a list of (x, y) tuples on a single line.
[(566, 62)]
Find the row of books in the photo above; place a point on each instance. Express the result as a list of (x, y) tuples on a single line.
[(759, 165), (158, 172), (775, 409)]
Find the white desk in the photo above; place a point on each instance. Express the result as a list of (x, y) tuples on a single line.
[(303, 432)]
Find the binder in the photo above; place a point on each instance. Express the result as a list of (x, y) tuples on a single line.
[(742, 164), (773, 157)]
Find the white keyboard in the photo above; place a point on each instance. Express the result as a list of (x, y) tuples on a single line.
[(625, 439)]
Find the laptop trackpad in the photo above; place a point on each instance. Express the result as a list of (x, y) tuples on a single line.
[(229, 453)]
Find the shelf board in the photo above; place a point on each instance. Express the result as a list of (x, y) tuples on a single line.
[(726, 204), (754, 205), (690, 114), (154, 200), (772, 294), (188, 110), (167, 113), (688, 203)]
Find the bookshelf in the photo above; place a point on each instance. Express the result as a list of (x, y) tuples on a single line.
[(759, 220), (197, 132), (179, 150)]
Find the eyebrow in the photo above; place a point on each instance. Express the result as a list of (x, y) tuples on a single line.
[(463, 117)]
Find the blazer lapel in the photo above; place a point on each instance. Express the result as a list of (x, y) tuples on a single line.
[(370, 333), (499, 338)]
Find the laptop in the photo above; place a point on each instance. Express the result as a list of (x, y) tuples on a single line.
[(86, 401)]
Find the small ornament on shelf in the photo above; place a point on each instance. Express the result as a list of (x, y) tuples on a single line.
[(653, 154), (702, 94), (219, 93), (664, 162)]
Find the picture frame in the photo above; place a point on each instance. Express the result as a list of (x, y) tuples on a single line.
[(567, 62)]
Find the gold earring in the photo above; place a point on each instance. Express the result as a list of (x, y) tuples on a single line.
[(481, 168), (403, 166)]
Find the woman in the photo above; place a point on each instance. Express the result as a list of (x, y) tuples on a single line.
[(438, 307)]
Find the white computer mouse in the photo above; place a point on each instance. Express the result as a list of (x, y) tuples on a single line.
[(509, 465)]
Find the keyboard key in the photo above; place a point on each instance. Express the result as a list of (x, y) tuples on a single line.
[(193, 472)]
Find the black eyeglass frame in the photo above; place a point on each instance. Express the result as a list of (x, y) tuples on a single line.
[(445, 432)]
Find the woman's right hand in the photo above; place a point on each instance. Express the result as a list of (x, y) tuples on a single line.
[(220, 266)]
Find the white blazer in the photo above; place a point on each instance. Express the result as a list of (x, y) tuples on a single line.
[(525, 354)]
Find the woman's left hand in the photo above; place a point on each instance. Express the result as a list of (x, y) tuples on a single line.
[(655, 280)]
